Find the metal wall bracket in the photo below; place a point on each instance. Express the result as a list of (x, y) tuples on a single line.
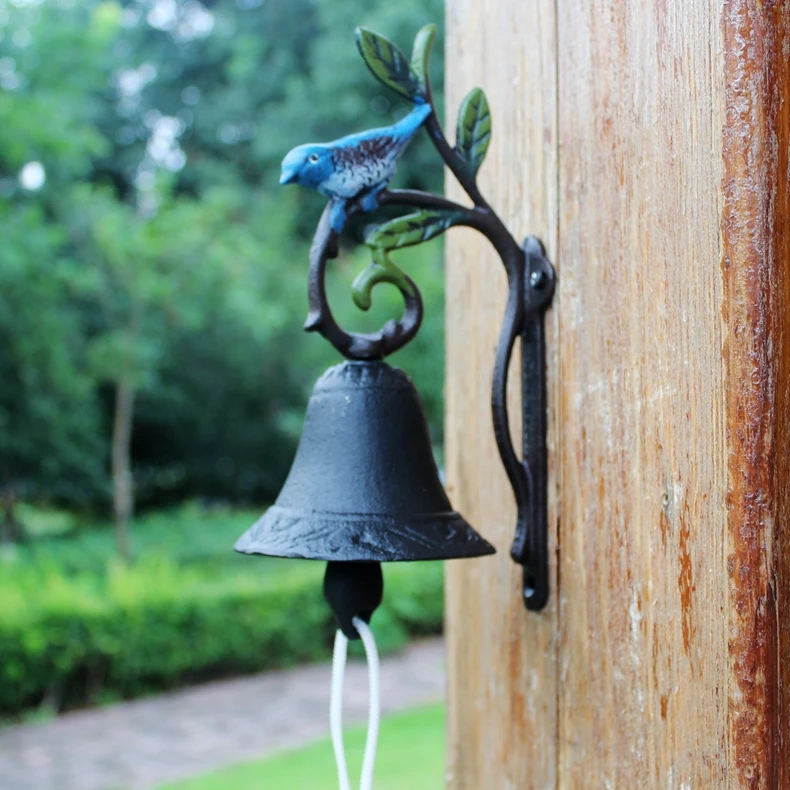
[(531, 291), (367, 161)]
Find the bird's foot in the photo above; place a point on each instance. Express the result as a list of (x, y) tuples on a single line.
[(370, 200), (338, 215)]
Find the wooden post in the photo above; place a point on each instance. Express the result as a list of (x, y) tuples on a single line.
[(647, 144)]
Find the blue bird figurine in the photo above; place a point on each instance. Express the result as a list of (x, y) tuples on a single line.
[(354, 167)]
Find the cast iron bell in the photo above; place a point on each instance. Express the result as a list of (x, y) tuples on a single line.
[(364, 485), (363, 489)]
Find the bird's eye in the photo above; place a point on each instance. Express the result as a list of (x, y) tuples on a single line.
[(313, 158)]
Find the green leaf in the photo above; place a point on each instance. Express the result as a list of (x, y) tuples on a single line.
[(412, 229), (420, 56), (382, 270), (387, 63), (474, 129)]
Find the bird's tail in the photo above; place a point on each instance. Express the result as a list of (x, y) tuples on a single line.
[(421, 110), (409, 124)]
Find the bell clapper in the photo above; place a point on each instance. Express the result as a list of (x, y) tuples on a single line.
[(353, 589)]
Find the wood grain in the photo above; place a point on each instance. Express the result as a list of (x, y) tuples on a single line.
[(648, 144), (643, 699), (502, 660)]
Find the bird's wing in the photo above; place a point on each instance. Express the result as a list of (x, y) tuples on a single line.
[(369, 158), (386, 141), (360, 167), (367, 150)]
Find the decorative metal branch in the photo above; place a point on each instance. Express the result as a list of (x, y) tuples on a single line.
[(354, 173)]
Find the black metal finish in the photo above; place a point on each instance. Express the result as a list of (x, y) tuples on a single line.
[(353, 345), (531, 281), (364, 485), (353, 589), (531, 291)]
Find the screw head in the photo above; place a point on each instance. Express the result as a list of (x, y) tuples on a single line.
[(537, 278)]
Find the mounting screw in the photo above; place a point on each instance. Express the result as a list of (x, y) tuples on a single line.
[(537, 278)]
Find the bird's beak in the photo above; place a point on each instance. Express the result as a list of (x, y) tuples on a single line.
[(288, 175)]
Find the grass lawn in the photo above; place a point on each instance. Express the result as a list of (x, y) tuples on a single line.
[(410, 755)]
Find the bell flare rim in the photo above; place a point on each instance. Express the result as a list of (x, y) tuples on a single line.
[(488, 551), (335, 537)]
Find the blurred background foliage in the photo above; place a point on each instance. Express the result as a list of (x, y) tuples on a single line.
[(152, 291), (147, 247)]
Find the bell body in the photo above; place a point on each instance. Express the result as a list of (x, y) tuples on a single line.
[(364, 486)]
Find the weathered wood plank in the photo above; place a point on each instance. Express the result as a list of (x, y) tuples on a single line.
[(664, 658), (643, 698), (502, 665)]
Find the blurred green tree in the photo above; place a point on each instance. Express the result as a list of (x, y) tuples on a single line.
[(50, 104), (139, 271), (152, 271), (50, 441)]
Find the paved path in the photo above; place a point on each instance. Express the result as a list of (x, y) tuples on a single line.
[(143, 743)]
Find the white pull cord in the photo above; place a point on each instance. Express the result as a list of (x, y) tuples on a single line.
[(336, 706), (374, 713)]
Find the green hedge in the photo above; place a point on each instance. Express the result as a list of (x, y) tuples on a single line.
[(69, 641)]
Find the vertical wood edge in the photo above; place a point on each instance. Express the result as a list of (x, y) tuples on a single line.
[(756, 311), (502, 668)]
